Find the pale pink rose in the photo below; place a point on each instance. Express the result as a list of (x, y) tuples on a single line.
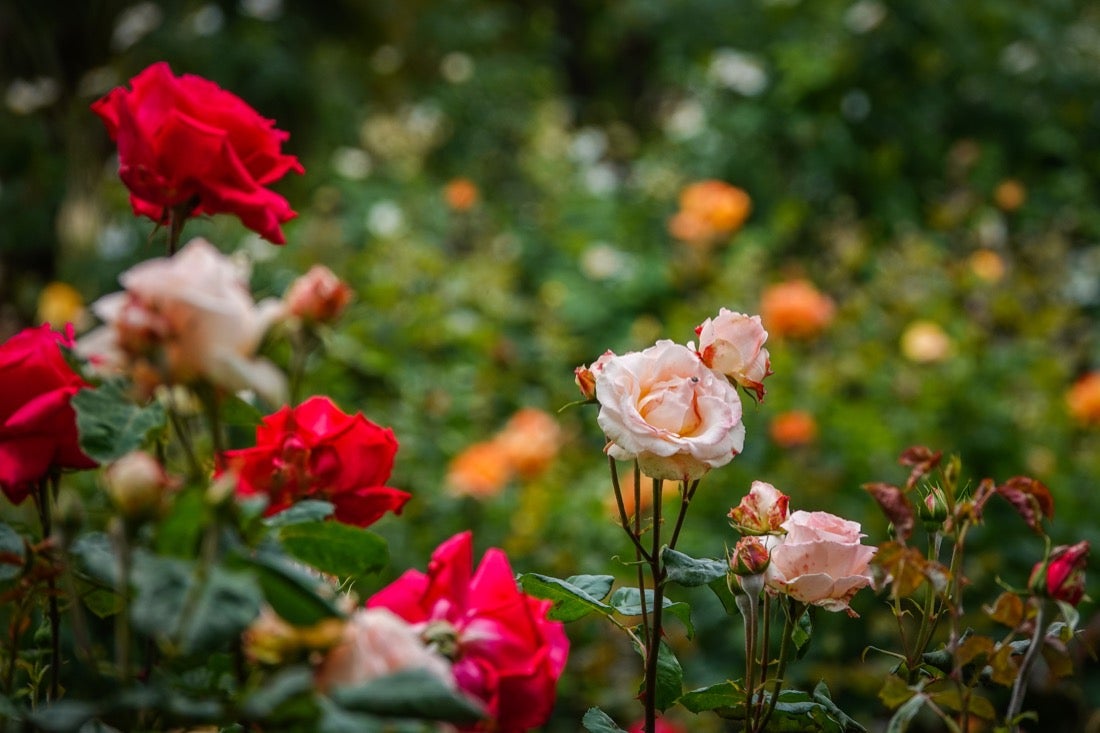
[(665, 408), (733, 344), (819, 561), (377, 642), (187, 317), (762, 510), (319, 295)]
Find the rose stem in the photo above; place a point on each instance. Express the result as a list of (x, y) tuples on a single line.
[(43, 496), (1019, 687), (654, 653)]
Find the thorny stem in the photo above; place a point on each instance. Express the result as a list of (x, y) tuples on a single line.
[(1019, 687)]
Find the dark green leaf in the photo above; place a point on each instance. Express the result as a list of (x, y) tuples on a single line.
[(571, 601), (627, 602), (110, 424), (300, 598), (95, 557), (227, 604), (310, 510), (63, 716), (802, 633), (722, 590), (413, 693), (161, 587), (12, 553), (822, 696), (237, 412), (691, 572), (596, 586), (335, 719), (670, 678), (726, 696), (597, 721), (335, 548), (179, 533), (286, 684)]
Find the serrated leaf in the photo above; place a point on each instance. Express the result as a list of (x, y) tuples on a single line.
[(298, 597), (309, 510), (413, 693), (571, 601), (670, 678), (596, 586), (110, 424), (691, 572), (597, 721), (336, 548), (627, 601)]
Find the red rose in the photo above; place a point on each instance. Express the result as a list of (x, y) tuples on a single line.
[(37, 423), (315, 451), (185, 141), (1062, 576), (505, 651)]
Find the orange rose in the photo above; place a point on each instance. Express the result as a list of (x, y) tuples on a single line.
[(709, 209), (793, 428), (796, 309), (1083, 399), (461, 194), (480, 471), (530, 441)]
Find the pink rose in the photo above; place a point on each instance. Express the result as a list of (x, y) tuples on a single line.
[(733, 344), (819, 561), (37, 422), (505, 651), (186, 318), (665, 408), (376, 643), (183, 141), (318, 295), (762, 510)]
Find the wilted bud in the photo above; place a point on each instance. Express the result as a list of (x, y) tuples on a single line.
[(761, 511), (1062, 576), (318, 296), (750, 556), (137, 483)]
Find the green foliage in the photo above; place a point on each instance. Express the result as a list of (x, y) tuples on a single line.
[(338, 549), (597, 721), (573, 598), (110, 424)]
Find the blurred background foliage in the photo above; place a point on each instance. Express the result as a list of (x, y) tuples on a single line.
[(930, 166)]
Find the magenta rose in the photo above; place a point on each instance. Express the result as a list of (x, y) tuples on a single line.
[(505, 651), (37, 422), (316, 451), (184, 142)]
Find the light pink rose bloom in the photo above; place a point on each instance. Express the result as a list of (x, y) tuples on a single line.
[(733, 344), (319, 295), (762, 510), (665, 408), (377, 642), (819, 561), (188, 317)]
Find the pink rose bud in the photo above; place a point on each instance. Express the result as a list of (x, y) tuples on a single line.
[(733, 344), (585, 376), (136, 484), (762, 511), (318, 296), (750, 556), (1062, 576)]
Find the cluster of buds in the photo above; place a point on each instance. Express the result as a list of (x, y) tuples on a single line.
[(761, 513)]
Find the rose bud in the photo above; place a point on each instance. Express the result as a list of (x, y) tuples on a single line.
[(750, 556), (318, 296), (585, 376), (761, 511), (1062, 576), (136, 483)]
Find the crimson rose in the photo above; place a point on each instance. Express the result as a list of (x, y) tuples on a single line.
[(505, 651), (37, 423), (315, 451), (186, 143)]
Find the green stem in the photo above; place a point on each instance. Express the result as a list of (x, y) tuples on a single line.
[(765, 660), (44, 497), (653, 652), (196, 472), (1019, 687), (213, 419), (120, 533), (747, 605), (794, 611)]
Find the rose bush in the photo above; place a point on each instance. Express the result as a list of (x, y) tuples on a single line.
[(187, 145), (819, 560), (665, 408), (185, 318), (505, 651), (37, 422), (316, 450)]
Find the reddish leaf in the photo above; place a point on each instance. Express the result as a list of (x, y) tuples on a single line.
[(1030, 498), (921, 460), (895, 505)]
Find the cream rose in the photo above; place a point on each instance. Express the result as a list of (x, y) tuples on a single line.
[(376, 643), (665, 408), (188, 317), (733, 344), (819, 561)]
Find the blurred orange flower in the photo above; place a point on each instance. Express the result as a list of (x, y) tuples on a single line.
[(793, 428), (1083, 399), (480, 471), (709, 209), (530, 440), (1010, 195), (987, 265), (796, 308), (461, 194)]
